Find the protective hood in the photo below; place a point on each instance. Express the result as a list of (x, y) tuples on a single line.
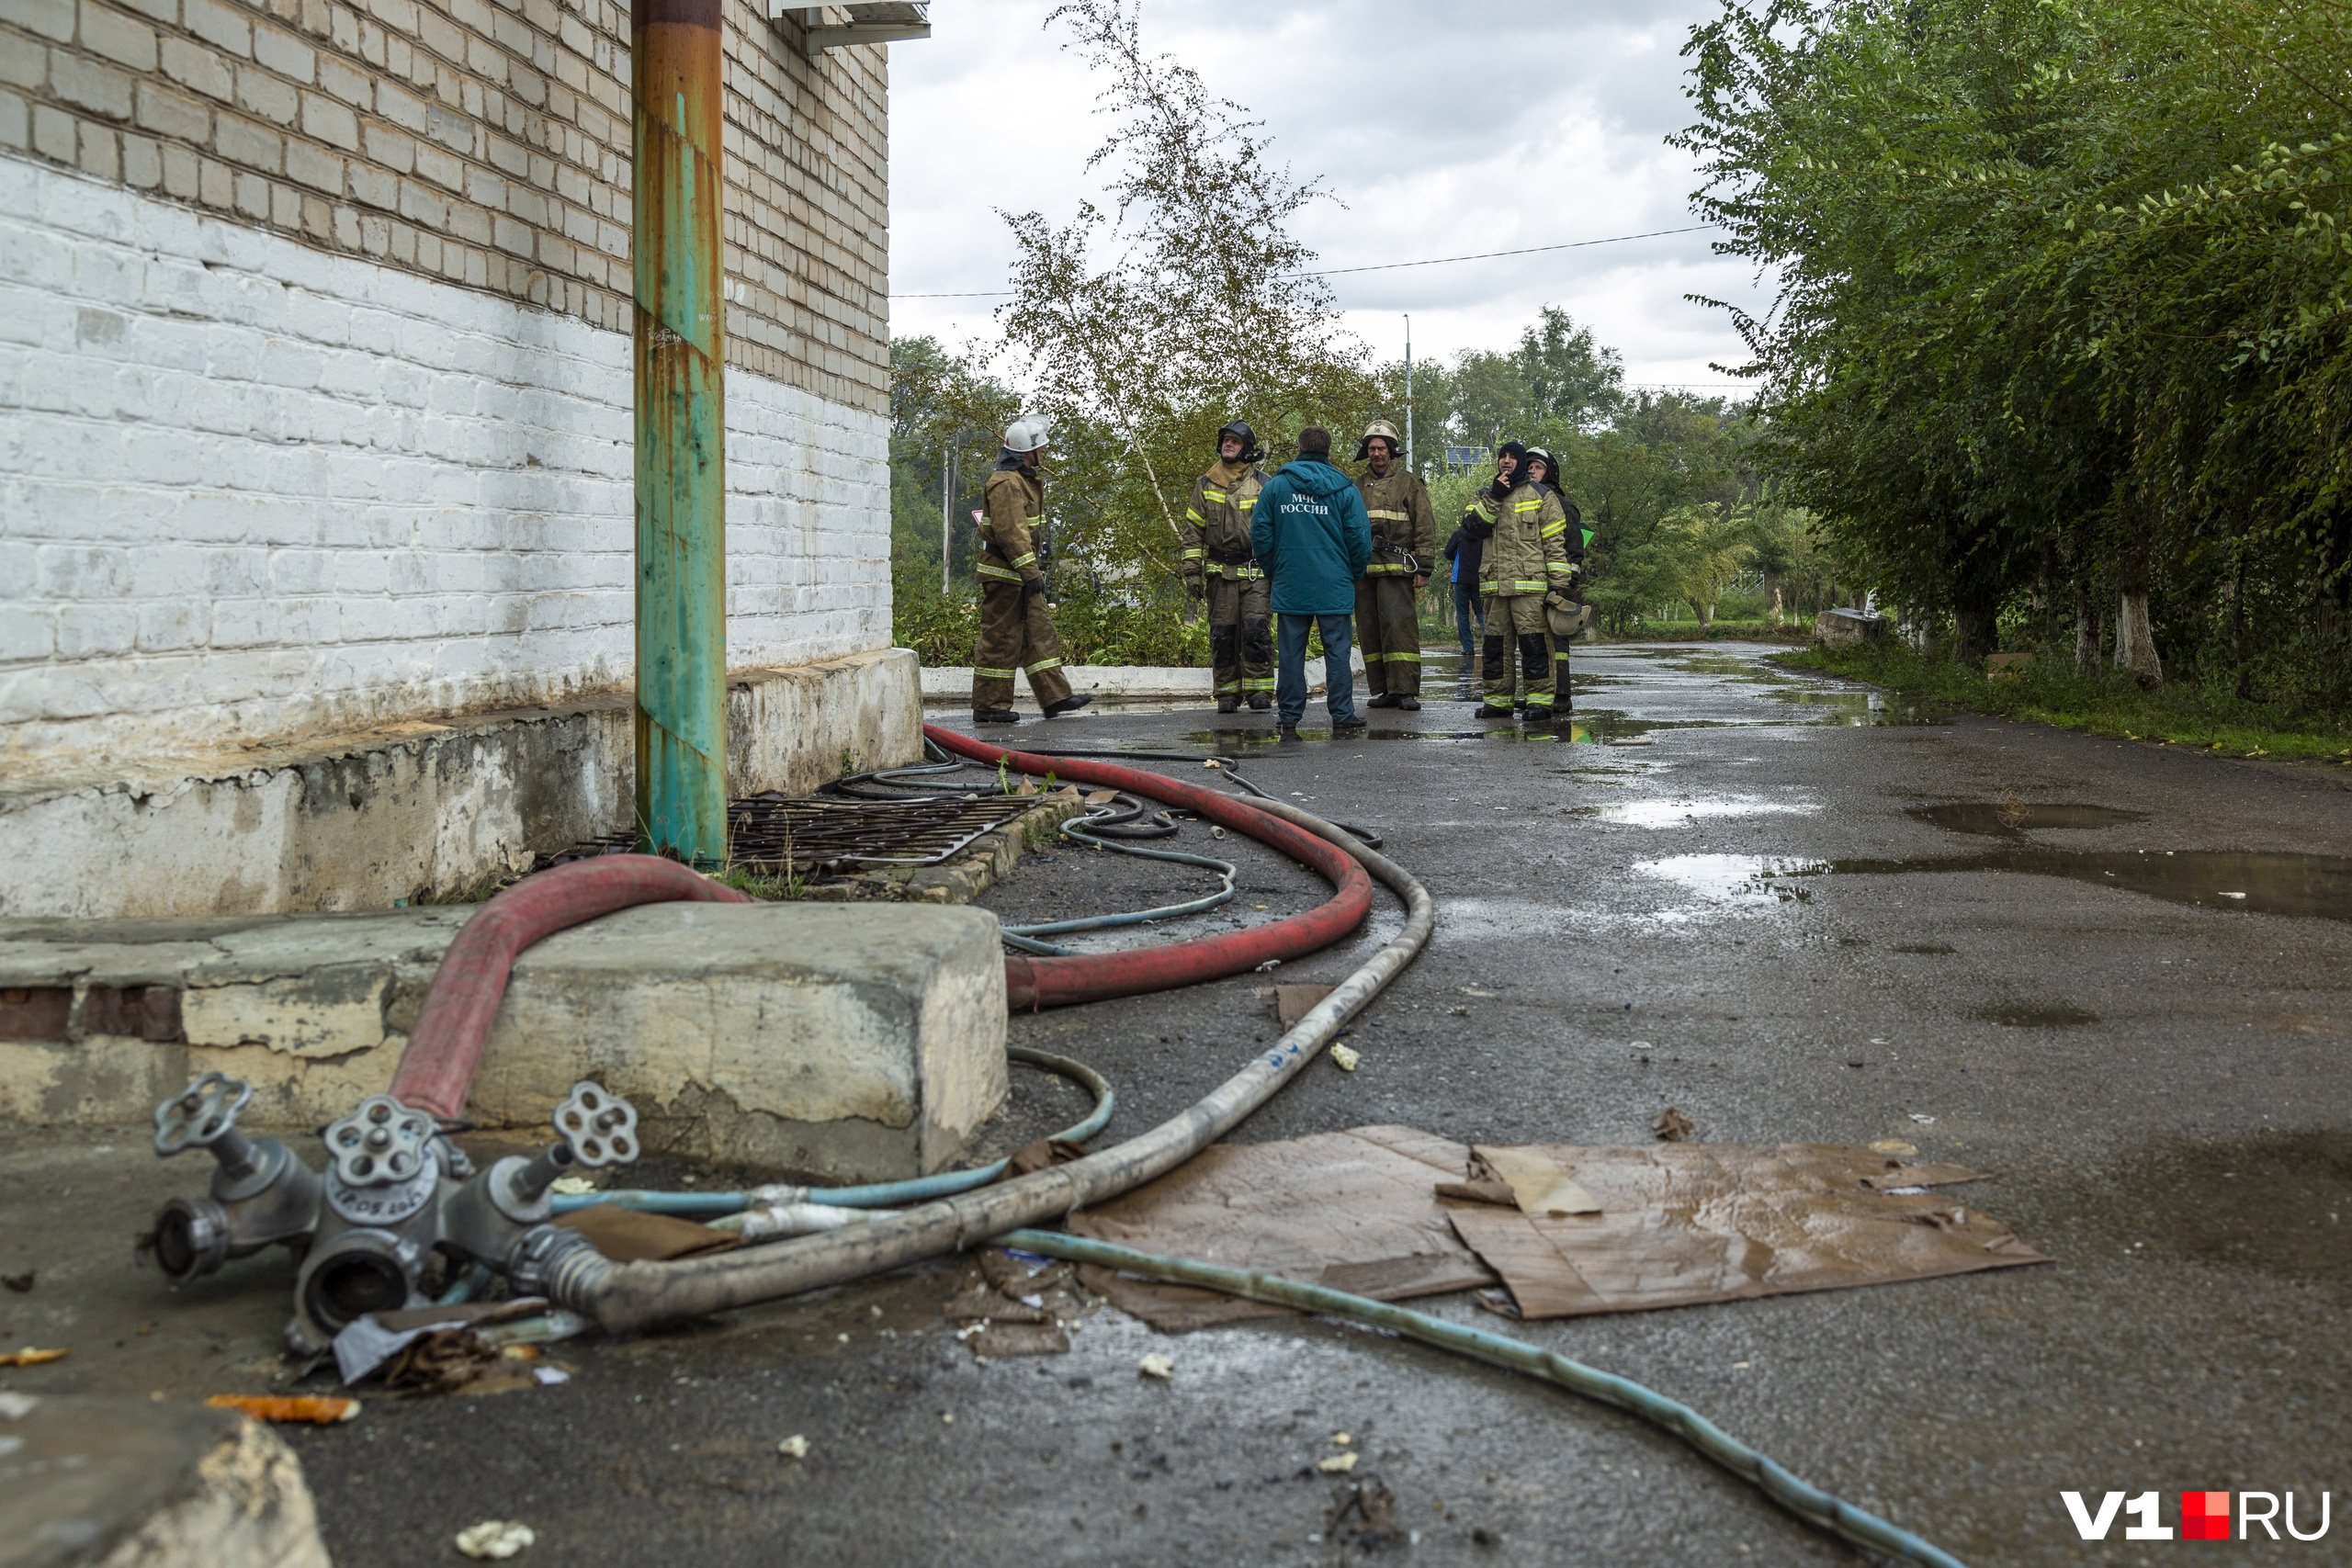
[(1313, 476), (1502, 486)]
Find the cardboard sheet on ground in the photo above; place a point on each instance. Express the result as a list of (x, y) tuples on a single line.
[(1682, 1223), (1355, 1210), (1679, 1225)]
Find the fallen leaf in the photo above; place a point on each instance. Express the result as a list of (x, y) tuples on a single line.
[(1338, 1464), (29, 1357), (1672, 1126), (1157, 1365), (496, 1538), (1893, 1147), (19, 1283), (1345, 1058), (318, 1409)]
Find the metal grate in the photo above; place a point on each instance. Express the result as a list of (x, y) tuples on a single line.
[(776, 835)]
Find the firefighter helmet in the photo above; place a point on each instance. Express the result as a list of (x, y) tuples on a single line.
[(1027, 434), (1551, 465), (1240, 430), (1385, 431)]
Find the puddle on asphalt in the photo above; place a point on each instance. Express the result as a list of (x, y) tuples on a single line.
[(2018, 1016), (2263, 882), (1857, 709), (2276, 1202), (2008, 818), (1677, 813)]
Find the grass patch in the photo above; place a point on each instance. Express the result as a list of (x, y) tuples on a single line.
[(2049, 692), (1758, 630)]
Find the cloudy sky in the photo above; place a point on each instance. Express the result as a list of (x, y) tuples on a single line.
[(1444, 129)]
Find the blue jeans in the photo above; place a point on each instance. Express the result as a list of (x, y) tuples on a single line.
[(1289, 662), (1468, 608)]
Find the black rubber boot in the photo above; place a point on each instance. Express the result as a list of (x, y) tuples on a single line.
[(1490, 711), (1229, 705), (995, 716), (1408, 705), (1070, 703), (1384, 701), (1351, 725), (1290, 735), (1261, 702)]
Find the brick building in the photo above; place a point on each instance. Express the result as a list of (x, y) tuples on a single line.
[(316, 566)]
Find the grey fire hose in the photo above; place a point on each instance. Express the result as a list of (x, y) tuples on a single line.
[(620, 1297)]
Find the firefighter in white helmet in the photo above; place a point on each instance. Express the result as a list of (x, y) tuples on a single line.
[(1404, 542), (1016, 625)]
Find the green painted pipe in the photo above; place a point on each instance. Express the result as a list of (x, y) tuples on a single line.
[(681, 432)]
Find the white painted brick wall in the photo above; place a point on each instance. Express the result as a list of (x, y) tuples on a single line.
[(251, 490)]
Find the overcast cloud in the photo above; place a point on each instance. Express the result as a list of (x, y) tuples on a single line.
[(1444, 129)]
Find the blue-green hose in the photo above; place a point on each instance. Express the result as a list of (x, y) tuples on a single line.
[(1026, 937), (883, 1194), (1800, 1498)]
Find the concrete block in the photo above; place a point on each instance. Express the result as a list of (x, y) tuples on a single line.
[(125, 1481), (858, 1044)]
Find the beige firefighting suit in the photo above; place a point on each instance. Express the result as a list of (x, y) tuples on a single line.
[(1528, 557), (1404, 542), (1216, 558), (1016, 634)]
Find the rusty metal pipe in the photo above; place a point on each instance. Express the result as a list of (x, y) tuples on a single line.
[(681, 430)]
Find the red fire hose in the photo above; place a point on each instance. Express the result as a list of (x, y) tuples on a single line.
[(1059, 982), (452, 1027)]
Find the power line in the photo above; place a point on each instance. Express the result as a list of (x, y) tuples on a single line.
[(1384, 266)]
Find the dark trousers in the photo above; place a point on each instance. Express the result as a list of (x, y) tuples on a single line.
[(1466, 608), (1289, 662), (1016, 637)]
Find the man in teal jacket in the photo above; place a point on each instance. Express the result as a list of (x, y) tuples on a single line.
[(1310, 533)]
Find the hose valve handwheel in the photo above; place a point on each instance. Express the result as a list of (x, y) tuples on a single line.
[(598, 1127), (204, 1116), (380, 1141)]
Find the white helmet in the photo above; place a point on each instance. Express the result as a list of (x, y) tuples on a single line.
[(1027, 434)]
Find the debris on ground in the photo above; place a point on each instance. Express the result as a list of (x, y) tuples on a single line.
[(1345, 1057), (1290, 1003), (318, 1409), (1338, 1464), (1673, 1127), (1685, 1223), (1013, 1307), (29, 1357), (372, 1339), (441, 1360), (1355, 1211), (1923, 1121), (1157, 1365), (573, 1185), (1385, 1211), (1365, 1516), (1042, 1155), (794, 1447), (1893, 1146), (20, 1284), (495, 1540), (633, 1236)]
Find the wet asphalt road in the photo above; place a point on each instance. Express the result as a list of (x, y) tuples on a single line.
[(1668, 911)]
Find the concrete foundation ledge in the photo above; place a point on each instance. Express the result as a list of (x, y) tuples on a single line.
[(129, 1483), (848, 1041), (950, 686), (425, 809)]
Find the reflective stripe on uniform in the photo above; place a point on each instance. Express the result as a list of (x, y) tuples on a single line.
[(1024, 560), (999, 573), (1043, 665), (1535, 505), (991, 674), (1196, 555), (1387, 568), (1516, 585), (1227, 688), (1238, 570), (1191, 515), (1539, 699), (1391, 516), (1248, 501), (1258, 684), (1553, 530), (1212, 494)]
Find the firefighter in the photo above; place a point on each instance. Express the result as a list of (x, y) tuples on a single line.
[(1525, 528), (1016, 625), (1561, 610), (1404, 541), (1219, 568)]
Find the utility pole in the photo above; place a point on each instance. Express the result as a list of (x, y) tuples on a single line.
[(943, 520), (1408, 393), (680, 431)]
